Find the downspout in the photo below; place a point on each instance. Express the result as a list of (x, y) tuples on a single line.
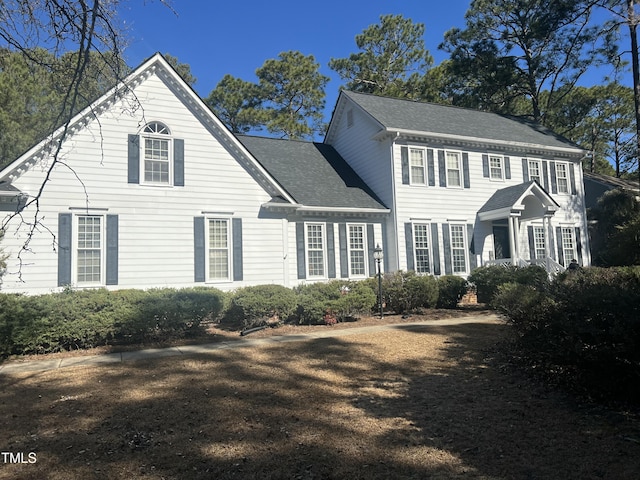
[(394, 209)]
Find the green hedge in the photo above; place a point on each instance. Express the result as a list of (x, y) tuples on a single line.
[(253, 306), (451, 289), (487, 279), (337, 300), (584, 326), (88, 318)]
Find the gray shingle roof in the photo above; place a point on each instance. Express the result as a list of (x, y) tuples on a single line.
[(505, 197), (394, 113), (314, 174)]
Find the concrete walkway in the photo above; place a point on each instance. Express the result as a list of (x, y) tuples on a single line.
[(184, 350)]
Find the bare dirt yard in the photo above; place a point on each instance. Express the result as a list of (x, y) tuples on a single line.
[(412, 402)]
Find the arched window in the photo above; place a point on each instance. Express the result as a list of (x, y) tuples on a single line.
[(157, 153)]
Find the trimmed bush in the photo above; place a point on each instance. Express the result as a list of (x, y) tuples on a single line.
[(488, 279), (253, 306), (451, 289), (343, 299), (407, 291), (88, 318)]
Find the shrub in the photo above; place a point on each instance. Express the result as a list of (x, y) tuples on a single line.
[(343, 299), (487, 279), (252, 306), (88, 318), (451, 289), (407, 291), (587, 324)]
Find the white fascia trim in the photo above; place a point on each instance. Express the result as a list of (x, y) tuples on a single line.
[(305, 209), (464, 138)]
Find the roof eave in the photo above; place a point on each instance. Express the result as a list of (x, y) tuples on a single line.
[(479, 142)]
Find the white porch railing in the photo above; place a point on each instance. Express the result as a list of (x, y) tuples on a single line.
[(549, 264)]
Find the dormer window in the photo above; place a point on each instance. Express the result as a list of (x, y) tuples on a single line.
[(156, 154)]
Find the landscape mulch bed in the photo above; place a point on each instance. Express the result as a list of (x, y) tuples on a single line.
[(410, 402)]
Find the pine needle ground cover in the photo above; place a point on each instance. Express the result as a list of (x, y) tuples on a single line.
[(411, 402)]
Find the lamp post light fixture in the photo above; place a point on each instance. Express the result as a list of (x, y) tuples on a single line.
[(378, 256)]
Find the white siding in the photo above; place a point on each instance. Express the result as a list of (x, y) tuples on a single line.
[(156, 241)]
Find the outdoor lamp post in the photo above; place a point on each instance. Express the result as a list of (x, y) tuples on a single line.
[(378, 255)]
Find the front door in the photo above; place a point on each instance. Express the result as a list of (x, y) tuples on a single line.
[(501, 242)]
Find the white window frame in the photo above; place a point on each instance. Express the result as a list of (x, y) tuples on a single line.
[(351, 250), (76, 249), (423, 167), (539, 242), (566, 190), (322, 249), (209, 249), (421, 248), (499, 169), (568, 241), (538, 166), (156, 131), (458, 248), (458, 156)]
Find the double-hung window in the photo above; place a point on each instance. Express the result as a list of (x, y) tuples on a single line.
[(357, 250), (156, 153), (539, 243), (316, 250), (421, 247), (454, 171), (535, 173), (495, 167), (90, 250), (568, 245), (458, 248), (417, 163), (219, 240), (562, 176)]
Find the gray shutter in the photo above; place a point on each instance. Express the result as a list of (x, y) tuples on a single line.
[(435, 249), (112, 250), (178, 162), (507, 168), (199, 257), (446, 240), (300, 250), (236, 232), (371, 246), (465, 170), (404, 159), (554, 178), (431, 168), (442, 169), (572, 178), (472, 251), (64, 249), (485, 166), (545, 172), (578, 245), (559, 241), (525, 170), (342, 242), (408, 239), (133, 159), (532, 245), (331, 252)]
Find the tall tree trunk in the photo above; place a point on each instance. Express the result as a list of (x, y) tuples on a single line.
[(633, 26)]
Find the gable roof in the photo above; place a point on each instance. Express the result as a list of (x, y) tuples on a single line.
[(610, 182), (314, 174), (402, 115), (511, 198), (155, 65)]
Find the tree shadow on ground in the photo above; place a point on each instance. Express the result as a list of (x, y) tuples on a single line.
[(414, 403)]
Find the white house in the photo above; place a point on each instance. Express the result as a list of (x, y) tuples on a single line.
[(465, 188), (150, 190)]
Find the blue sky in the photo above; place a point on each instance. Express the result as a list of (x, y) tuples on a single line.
[(220, 37)]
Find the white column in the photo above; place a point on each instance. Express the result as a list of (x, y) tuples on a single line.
[(512, 243)]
